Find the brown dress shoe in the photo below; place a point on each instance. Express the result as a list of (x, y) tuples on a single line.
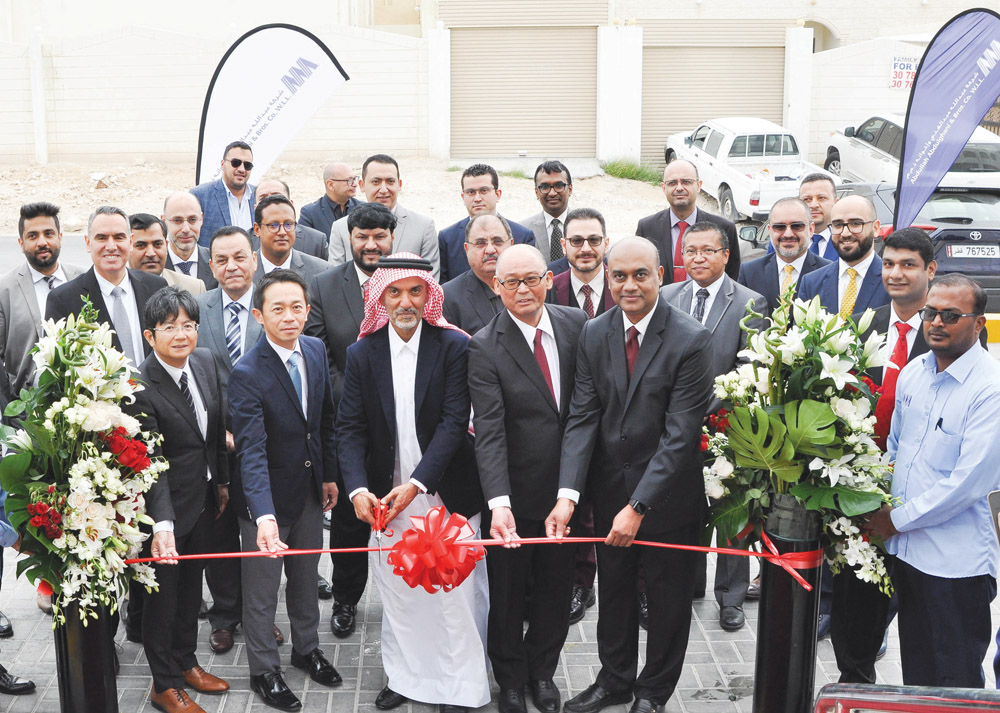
[(202, 681), (174, 700), (221, 640), (279, 638)]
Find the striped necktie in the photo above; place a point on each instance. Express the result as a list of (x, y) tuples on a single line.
[(233, 334)]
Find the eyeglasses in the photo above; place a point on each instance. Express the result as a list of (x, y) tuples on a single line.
[(686, 182), (707, 252), (288, 225), (190, 220), (796, 227), (483, 242), (594, 241), (172, 329), (237, 162), (484, 191), (352, 181), (546, 187), (856, 225), (512, 283), (928, 314)]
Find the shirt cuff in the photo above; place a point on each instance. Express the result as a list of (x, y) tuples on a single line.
[(420, 486), (355, 492), (569, 494), (269, 516), (163, 526), (501, 501), (900, 518)]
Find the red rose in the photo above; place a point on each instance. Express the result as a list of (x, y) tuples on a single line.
[(723, 424), (52, 489), (41, 508), (31, 508), (38, 522), (704, 442), (54, 517), (723, 413), (713, 420)]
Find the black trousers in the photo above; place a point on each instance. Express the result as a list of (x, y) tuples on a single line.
[(669, 582), (350, 571), (859, 615), (585, 567), (944, 627), (223, 575), (545, 573), (170, 615)]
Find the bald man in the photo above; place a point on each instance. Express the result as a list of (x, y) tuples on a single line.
[(341, 184), (183, 218)]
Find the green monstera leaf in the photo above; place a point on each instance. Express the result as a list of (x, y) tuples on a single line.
[(811, 426), (759, 441), (832, 497)]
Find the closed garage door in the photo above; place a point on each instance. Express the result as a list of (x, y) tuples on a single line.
[(524, 89), (684, 86)]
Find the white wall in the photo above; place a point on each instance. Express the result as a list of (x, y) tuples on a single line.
[(619, 93)]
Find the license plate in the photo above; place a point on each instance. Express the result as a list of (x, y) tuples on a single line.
[(980, 251)]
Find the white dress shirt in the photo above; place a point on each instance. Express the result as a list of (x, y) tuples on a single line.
[(862, 269), (176, 260), (42, 288), (892, 334), (796, 264), (239, 210), (825, 238), (267, 266), (713, 291), (247, 302), (596, 289), (363, 277), (131, 309)]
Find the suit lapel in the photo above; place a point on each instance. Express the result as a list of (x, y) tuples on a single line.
[(481, 298), (30, 298), (381, 363), (685, 297), (171, 392), (515, 345), (651, 343), (223, 201), (607, 300), (399, 234), (280, 372), (619, 366), (722, 301), (427, 358), (771, 283), (873, 278), (352, 295), (829, 294), (567, 365)]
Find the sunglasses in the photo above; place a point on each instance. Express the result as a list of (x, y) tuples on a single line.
[(237, 162), (947, 316)]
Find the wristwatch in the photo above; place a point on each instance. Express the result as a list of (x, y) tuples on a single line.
[(638, 506)]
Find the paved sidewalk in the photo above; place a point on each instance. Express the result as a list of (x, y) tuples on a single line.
[(717, 678)]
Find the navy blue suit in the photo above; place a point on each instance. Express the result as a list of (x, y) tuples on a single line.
[(829, 254), (761, 275), (823, 282), (215, 207), (451, 244), (366, 419)]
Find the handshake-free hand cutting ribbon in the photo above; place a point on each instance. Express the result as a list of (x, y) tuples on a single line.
[(433, 554)]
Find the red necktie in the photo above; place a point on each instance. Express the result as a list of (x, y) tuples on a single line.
[(543, 363), (680, 274), (588, 303), (887, 399), (631, 349)]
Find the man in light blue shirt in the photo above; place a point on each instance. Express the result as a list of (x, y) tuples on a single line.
[(944, 439)]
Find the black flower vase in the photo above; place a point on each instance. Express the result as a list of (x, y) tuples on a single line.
[(785, 669), (85, 662)]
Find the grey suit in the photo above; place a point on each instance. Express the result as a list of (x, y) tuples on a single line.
[(204, 269), (212, 332), (305, 265), (469, 303), (414, 233), (21, 323), (536, 224), (732, 573)]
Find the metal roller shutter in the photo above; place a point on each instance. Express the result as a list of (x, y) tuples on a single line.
[(684, 86), (540, 97)]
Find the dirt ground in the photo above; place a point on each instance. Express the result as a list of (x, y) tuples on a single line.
[(429, 187)]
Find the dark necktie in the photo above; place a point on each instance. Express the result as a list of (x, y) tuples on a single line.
[(680, 274), (555, 247), (631, 349), (887, 399), (543, 362), (185, 267), (699, 307), (50, 280), (588, 302), (187, 394), (233, 335)]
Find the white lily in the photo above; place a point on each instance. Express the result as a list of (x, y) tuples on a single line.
[(837, 369)]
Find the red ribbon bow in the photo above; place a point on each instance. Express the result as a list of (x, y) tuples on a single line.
[(431, 554)]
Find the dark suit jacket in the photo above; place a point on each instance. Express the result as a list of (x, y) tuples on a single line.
[(823, 282), (469, 303), (68, 299), (204, 269), (640, 438), (320, 215), (307, 241), (451, 244), (656, 227), (761, 275), (519, 426), (179, 493), (562, 294), (305, 265), (366, 419), (281, 451), (335, 317), (215, 208)]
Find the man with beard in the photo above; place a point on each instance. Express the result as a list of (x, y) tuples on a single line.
[(469, 299), (854, 282), (23, 294), (819, 193), (183, 220), (338, 306), (553, 187), (230, 199)]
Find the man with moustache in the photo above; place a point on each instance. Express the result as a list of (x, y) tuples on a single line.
[(149, 252), (337, 202), (553, 188), (854, 282), (183, 218), (274, 226), (819, 193), (469, 299), (338, 307), (521, 373), (943, 442), (230, 199), (307, 240)]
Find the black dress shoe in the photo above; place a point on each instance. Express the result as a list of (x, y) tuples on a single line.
[(643, 611), (325, 590), (644, 705), (732, 618), (451, 708), (274, 692), (6, 628), (342, 621), (320, 670), (511, 700), (594, 698), (387, 699), (544, 695), (583, 599), (14, 686)]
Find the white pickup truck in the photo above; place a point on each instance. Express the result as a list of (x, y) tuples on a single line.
[(745, 163)]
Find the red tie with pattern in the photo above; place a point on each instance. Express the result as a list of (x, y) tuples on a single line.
[(887, 399), (543, 363), (680, 274), (631, 349), (588, 301)]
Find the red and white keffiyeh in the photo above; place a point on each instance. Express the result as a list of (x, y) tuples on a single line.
[(376, 316)]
